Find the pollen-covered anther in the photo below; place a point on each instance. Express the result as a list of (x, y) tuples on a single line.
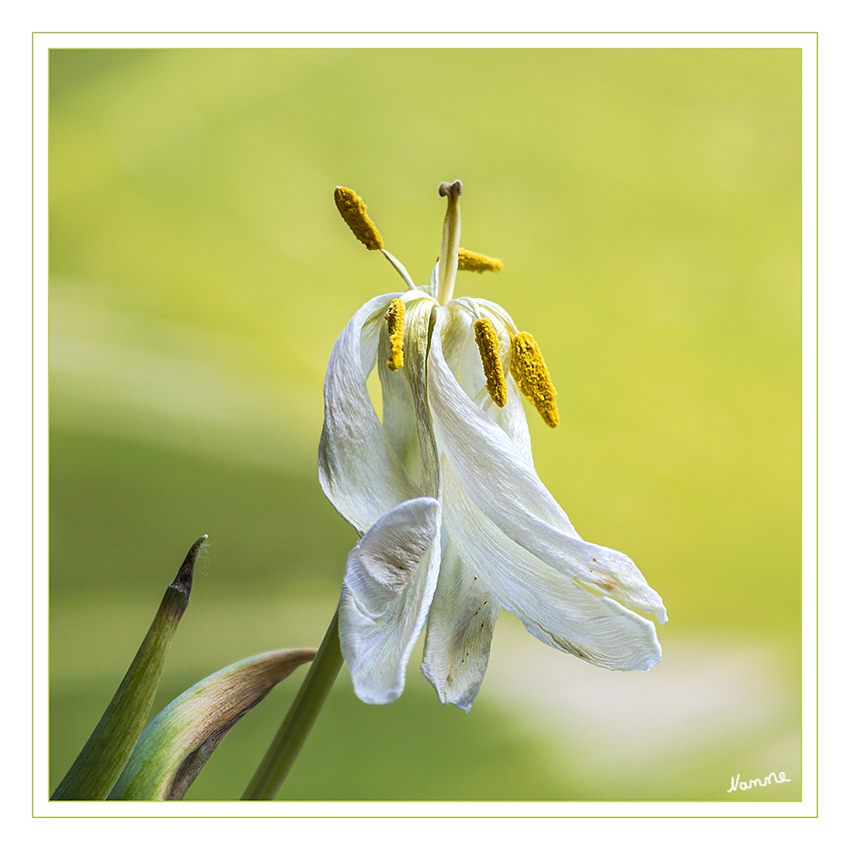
[(472, 262), (353, 211), (395, 326), (532, 377), (488, 347)]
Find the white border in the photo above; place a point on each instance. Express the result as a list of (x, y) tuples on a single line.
[(418, 39), (41, 44)]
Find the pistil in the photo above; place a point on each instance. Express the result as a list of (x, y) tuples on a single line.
[(450, 244)]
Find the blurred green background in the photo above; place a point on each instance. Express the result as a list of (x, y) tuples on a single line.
[(647, 206)]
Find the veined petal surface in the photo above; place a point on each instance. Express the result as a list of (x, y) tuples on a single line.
[(554, 608), (406, 416), (501, 483), (359, 470), (390, 579), (460, 351), (460, 629)]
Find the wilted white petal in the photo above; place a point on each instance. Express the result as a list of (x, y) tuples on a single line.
[(461, 354), (455, 322), (460, 628), (554, 608), (358, 468), (390, 578), (479, 443), (399, 411), (500, 481), (406, 417)]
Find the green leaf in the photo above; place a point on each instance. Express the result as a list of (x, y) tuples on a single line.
[(177, 744), (102, 759)]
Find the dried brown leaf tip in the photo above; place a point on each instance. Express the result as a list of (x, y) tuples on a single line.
[(176, 745)]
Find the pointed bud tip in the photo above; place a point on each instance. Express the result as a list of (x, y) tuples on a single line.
[(183, 580)]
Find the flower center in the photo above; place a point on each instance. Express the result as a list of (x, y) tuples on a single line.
[(526, 363)]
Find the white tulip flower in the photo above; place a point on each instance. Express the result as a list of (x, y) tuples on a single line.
[(455, 523)]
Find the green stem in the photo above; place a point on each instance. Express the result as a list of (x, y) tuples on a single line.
[(297, 724)]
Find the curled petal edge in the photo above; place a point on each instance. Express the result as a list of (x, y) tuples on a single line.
[(390, 579)]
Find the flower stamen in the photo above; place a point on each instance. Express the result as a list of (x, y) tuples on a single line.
[(395, 326), (488, 348), (470, 261), (353, 211), (532, 377)]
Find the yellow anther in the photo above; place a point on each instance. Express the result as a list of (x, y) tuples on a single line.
[(353, 211), (488, 347), (470, 261), (532, 377), (395, 326)]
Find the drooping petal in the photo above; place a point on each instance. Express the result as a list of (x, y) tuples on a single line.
[(390, 578), (406, 417), (398, 409), (553, 607), (460, 352), (460, 628), (359, 470), (507, 490)]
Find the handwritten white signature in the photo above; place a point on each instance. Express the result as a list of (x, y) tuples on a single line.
[(737, 785)]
